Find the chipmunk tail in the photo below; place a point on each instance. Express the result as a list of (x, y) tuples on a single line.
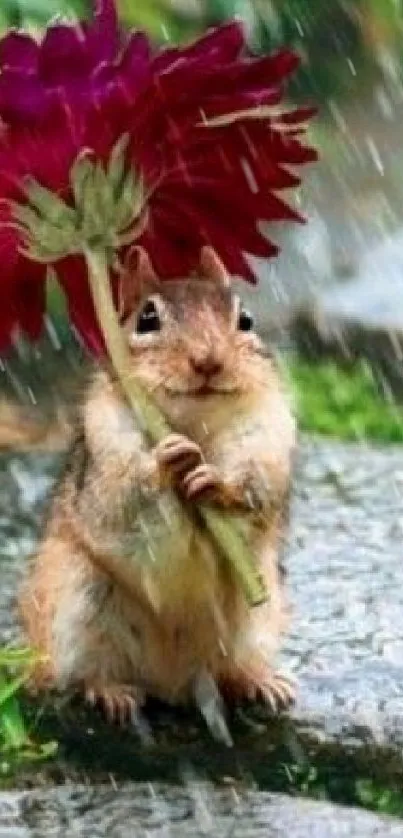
[(26, 429)]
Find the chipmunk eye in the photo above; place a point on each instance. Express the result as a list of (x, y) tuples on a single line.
[(148, 319), (245, 321)]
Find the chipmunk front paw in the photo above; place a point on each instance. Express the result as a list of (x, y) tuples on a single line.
[(203, 483), (178, 455), (118, 702)]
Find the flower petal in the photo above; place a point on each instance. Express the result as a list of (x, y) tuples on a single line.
[(31, 298), (19, 51), (219, 220), (103, 33), (8, 322), (72, 274), (22, 96), (9, 243), (223, 43), (63, 54), (135, 64)]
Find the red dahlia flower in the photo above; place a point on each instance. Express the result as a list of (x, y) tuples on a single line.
[(203, 134)]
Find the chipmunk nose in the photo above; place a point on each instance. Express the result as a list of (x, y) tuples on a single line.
[(207, 364)]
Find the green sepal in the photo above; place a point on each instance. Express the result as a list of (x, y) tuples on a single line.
[(80, 178), (49, 206), (116, 165), (107, 203), (131, 201)]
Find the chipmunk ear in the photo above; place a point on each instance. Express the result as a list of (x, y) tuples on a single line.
[(137, 278), (211, 267)]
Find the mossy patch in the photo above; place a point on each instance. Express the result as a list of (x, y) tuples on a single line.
[(343, 402)]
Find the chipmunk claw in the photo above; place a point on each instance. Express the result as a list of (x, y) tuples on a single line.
[(277, 691), (202, 483), (178, 454), (118, 703)]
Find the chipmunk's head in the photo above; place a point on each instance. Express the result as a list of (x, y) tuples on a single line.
[(191, 338)]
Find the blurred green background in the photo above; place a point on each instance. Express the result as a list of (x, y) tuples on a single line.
[(332, 37)]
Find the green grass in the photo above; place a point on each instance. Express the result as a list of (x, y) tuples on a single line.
[(336, 786), (343, 402), (16, 744)]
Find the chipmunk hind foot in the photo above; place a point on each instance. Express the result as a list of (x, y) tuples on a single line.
[(259, 682)]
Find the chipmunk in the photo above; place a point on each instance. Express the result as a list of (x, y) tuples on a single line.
[(193, 347), (24, 429)]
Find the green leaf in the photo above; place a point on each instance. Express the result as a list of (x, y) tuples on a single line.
[(14, 734), (12, 725), (39, 752), (17, 657), (9, 688)]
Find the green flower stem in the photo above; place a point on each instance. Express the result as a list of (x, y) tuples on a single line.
[(223, 528), (148, 416)]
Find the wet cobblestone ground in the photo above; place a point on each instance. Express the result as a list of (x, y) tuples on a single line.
[(346, 580), (162, 812)]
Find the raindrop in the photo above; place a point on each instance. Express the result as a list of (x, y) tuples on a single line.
[(52, 334), (209, 700), (374, 152)]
